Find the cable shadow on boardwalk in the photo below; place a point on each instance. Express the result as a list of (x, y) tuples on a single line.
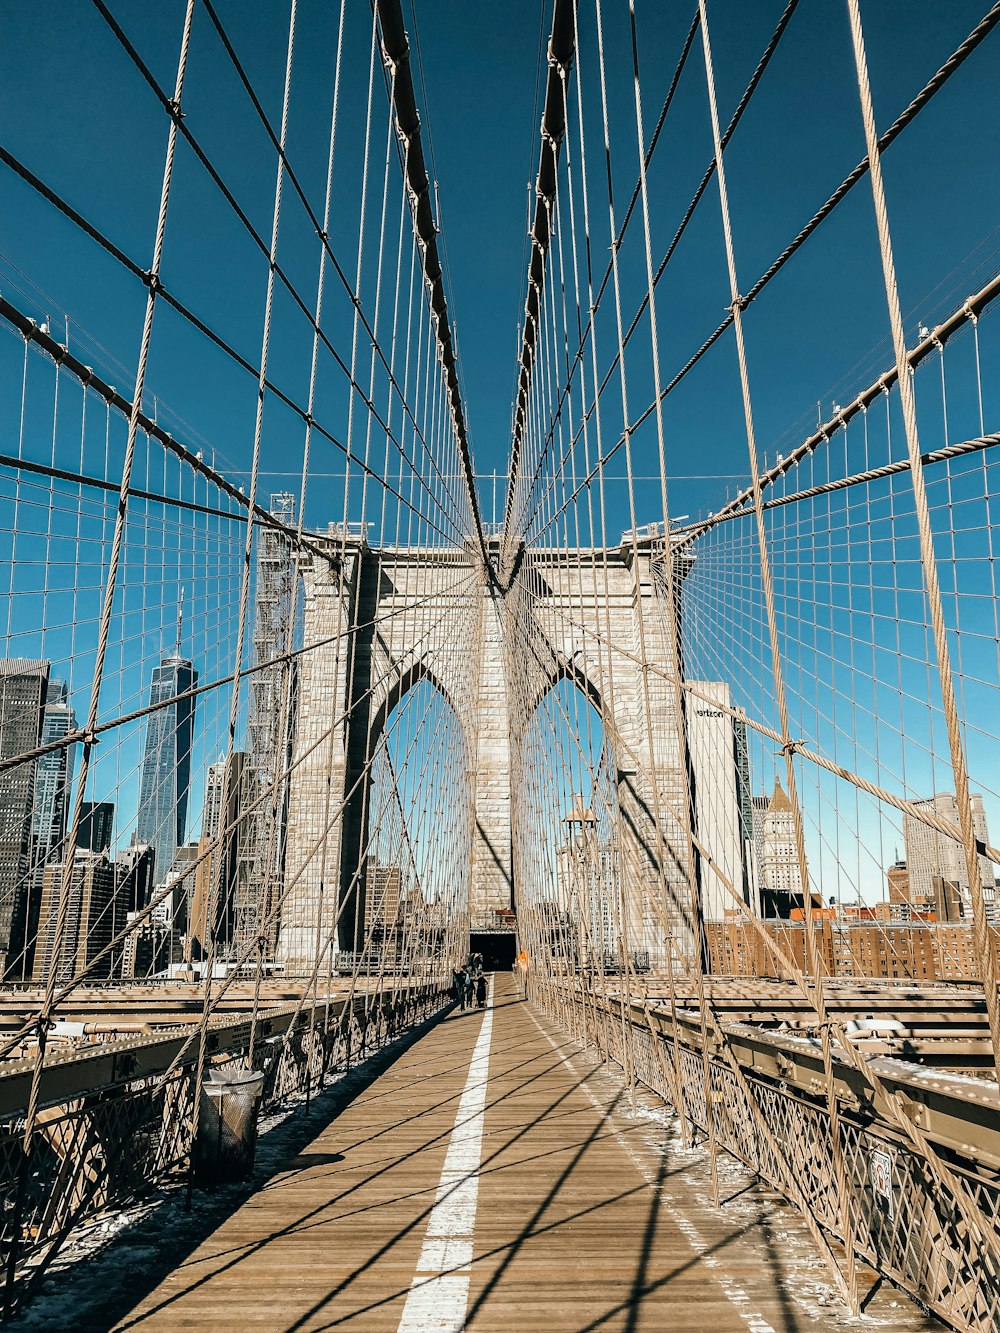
[(634, 1303), (507, 1252), (430, 1191), (352, 1276), (320, 1215), (329, 1231), (504, 1254), (140, 1250)]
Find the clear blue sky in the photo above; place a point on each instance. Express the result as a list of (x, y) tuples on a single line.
[(76, 112)]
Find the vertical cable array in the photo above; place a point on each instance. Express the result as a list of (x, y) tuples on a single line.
[(726, 727), (285, 729), (241, 662)]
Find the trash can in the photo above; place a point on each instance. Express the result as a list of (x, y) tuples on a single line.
[(227, 1125)]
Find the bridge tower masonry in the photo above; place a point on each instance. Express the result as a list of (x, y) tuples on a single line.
[(492, 887), (593, 616), (369, 612)]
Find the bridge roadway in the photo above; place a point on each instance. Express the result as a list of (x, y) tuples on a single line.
[(491, 1176)]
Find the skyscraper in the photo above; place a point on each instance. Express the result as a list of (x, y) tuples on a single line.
[(53, 774), (175, 909), (23, 685), (219, 867), (780, 874), (717, 779), (270, 730), (744, 797), (133, 868), (166, 761), (97, 826), (938, 873), (53, 780), (87, 922)]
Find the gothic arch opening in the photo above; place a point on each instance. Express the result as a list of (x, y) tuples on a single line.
[(570, 920), (410, 880)]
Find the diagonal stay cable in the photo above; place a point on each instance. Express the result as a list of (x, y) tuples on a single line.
[(586, 330), (321, 233), (69, 985), (905, 118), (731, 128), (261, 243), (206, 687), (72, 214), (396, 51), (737, 116)]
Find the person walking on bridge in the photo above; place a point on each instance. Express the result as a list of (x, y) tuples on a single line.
[(481, 991)]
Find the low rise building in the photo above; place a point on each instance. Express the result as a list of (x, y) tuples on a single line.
[(918, 950), (87, 918)]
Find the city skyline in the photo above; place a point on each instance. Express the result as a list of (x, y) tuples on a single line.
[(23, 685), (53, 773), (44, 797)]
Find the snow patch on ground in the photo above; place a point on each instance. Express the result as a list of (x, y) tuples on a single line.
[(802, 1272), (100, 1256)]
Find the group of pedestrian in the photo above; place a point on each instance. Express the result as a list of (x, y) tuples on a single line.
[(468, 982)]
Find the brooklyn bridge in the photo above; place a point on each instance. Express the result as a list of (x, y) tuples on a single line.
[(545, 885)]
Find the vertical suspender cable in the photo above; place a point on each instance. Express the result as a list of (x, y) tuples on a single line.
[(985, 956), (848, 1286), (104, 629)]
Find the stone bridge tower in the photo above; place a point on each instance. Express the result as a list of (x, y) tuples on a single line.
[(371, 610), (593, 616)]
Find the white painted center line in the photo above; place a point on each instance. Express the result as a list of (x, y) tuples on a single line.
[(439, 1293)]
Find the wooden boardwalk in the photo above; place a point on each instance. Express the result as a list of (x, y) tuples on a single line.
[(535, 1200)]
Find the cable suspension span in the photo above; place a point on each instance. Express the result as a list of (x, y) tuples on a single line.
[(906, 117), (396, 51), (288, 172), (32, 332), (585, 328), (933, 341), (285, 740), (561, 47), (212, 335), (799, 629)]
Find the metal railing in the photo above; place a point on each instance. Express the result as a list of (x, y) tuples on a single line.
[(115, 1119), (903, 1224)]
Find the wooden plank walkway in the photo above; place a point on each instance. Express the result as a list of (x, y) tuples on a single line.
[(437, 1200)]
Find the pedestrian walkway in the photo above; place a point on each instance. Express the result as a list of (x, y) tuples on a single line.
[(494, 1178)]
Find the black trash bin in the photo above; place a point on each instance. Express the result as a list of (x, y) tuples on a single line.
[(227, 1125)]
